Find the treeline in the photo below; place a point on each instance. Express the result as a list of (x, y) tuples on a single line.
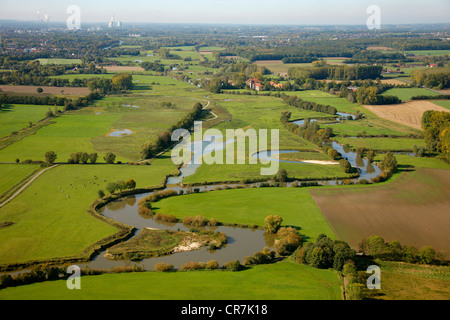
[(372, 56), (369, 95), (357, 72), (120, 82), (153, 66), (307, 105), (68, 103), (164, 139), (438, 78), (436, 127), (376, 247)]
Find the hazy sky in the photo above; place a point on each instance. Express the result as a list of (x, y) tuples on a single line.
[(233, 11)]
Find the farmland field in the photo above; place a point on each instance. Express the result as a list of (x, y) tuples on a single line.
[(406, 94), (412, 210), (59, 61), (47, 90), (408, 114)]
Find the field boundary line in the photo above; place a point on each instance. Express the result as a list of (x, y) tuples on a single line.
[(15, 194)]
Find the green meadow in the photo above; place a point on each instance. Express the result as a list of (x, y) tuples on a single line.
[(406, 94), (14, 117), (283, 280), (50, 217), (12, 174), (251, 207)]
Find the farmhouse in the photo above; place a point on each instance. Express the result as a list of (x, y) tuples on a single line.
[(254, 83)]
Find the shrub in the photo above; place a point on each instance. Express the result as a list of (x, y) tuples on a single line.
[(234, 266), (272, 223), (163, 267), (213, 222), (192, 266), (289, 240), (144, 211), (199, 221), (165, 217), (212, 264), (188, 220), (101, 194)]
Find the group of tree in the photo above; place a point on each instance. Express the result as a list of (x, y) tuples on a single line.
[(436, 127), (336, 72), (120, 185), (309, 130), (437, 78), (164, 139), (376, 247), (325, 253), (307, 105), (68, 102), (83, 157), (153, 66), (120, 82)]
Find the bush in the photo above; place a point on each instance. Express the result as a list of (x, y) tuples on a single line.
[(289, 240), (144, 211), (163, 267), (234, 266), (212, 265), (199, 221), (260, 257), (193, 266), (165, 217), (272, 223)]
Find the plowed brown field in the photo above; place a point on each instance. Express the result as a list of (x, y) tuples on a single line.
[(415, 210)]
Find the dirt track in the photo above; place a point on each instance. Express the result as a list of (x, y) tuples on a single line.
[(408, 113)]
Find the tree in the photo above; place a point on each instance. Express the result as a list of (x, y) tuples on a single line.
[(50, 157), (272, 223), (345, 165), (131, 184), (281, 175), (109, 157), (111, 187), (121, 185), (101, 194), (389, 163), (39, 90), (426, 255), (84, 158), (93, 157)]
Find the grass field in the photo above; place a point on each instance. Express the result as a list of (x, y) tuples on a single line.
[(429, 282), (50, 218), (59, 61), (11, 174), (14, 117), (284, 280), (442, 103), (396, 144), (405, 94), (251, 207), (412, 210)]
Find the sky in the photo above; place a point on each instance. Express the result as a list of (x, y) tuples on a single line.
[(295, 12)]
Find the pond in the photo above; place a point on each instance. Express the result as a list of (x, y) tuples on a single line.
[(242, 242), (120, 133)]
